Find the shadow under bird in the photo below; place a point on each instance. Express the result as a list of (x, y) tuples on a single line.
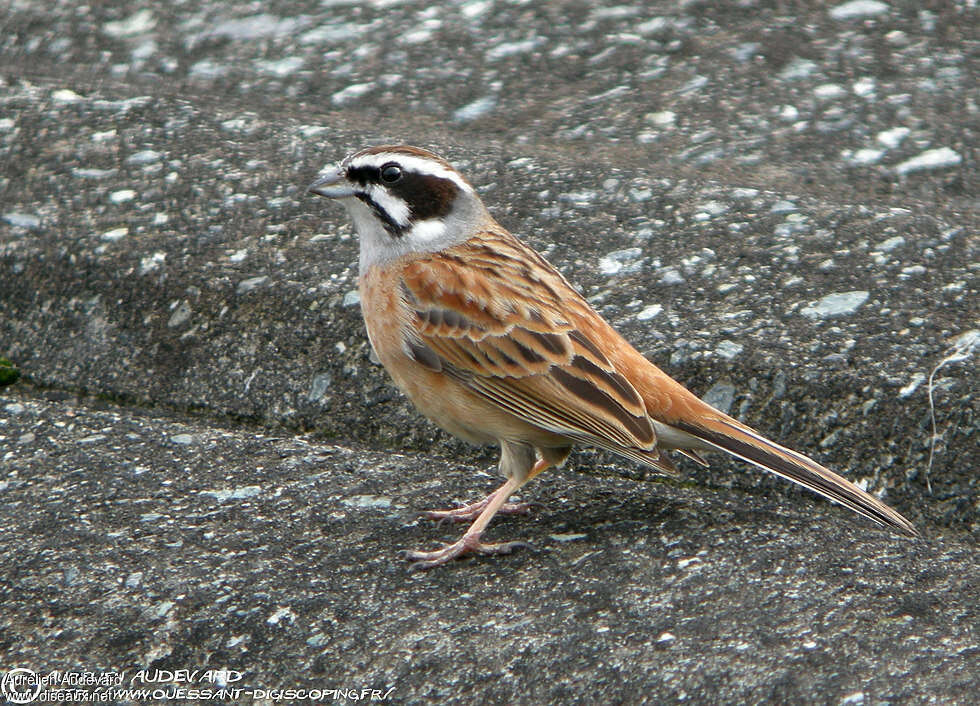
[(491, 343)]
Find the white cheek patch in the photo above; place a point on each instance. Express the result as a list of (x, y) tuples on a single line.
[(425, 231), (396, 208)]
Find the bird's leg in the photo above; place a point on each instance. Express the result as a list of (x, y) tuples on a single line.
[(470, 512), (470, 542)]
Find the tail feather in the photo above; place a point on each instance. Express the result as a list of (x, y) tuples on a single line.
[(728, 435)]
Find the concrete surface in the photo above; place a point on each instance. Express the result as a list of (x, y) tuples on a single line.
[(200, 466)]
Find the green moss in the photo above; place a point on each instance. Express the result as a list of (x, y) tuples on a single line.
[(8, 373)]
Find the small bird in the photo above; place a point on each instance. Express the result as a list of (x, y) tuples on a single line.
[(491, 343)]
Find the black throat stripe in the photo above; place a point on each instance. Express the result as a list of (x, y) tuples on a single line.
[(390, 225)]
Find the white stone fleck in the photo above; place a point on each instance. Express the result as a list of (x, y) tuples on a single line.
[(65, 95), (671, 275), (472, 10), (247, 285), (666, 637), (837, 304), (655, 25), (476, 109), (828, 91), (789, 113), (858, 8), (139, 22), (422, 34), (896, 241), (152, 262), (352, 93), (115, 234), (568, 537), (367, 501), (729, 350), (257, 27), (694, 85), (22, 220), (183, 439), (144, 157), (508, 49), (649, 312), (579, 198), (864, 87), (281, 67), (241, 493), (709, 210), (853, 699), (208, 68), (352, 298), (721, 396), (913, 385), (333, 33), (614, 262), (662, 118), (281, 614), (312, 130), (864, 157), (319, 386), (939, 158), (84, 173), (798, 68), (122, 196), (890, 139), (180, 316)]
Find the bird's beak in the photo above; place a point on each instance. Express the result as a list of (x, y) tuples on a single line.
[(331, 183)]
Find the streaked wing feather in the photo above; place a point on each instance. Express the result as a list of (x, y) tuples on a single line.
[(499, 318)]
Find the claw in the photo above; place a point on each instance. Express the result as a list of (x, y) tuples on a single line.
[(468, 544)]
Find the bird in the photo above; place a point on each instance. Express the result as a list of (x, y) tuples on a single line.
[(491, 343)]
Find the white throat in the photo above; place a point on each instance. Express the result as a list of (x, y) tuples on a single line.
[(379, 247)]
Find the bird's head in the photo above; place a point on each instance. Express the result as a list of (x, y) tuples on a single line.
[(402, 200)]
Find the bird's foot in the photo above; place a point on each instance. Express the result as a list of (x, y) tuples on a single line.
[(467, 544), (466, 513)]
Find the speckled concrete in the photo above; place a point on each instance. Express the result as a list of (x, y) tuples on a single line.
[(200, 466)]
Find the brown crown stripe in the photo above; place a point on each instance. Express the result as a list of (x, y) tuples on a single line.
[(406, 150)]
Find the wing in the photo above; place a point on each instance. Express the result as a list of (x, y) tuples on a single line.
[(495, 315)]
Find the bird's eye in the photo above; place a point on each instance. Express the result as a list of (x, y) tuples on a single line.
[(391, 173)]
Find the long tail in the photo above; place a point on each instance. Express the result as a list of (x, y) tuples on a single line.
[(724, 433)]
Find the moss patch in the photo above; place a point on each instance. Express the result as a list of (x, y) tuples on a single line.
[(8, 373)]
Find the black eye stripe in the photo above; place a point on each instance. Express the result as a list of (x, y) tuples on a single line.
[(427, 196), (364, 175)]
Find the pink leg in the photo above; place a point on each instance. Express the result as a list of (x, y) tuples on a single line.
[(470, 512), (470, 542)]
